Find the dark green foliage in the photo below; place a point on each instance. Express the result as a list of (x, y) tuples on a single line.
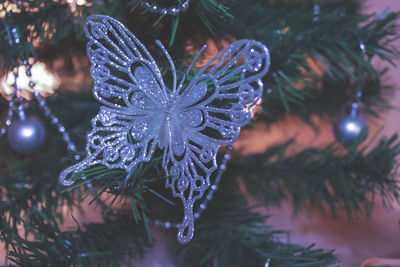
[(292, 36), (329, 177), (212, 13), (295, 40), (230, 232), (33, 199), (111, 243)]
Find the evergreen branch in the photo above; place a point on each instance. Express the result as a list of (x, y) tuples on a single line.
[(29, 185), (301, 47), (211, 13), (214, 13), (47, 23), (230, 233), (31, 198), (324, 177), (83, 247), (39, 21)]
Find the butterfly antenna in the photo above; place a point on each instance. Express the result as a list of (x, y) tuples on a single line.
[(191, 65), (181, 83), (195, 59), (171, 63)]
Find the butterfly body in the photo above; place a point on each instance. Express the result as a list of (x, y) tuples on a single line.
[(189, 121)]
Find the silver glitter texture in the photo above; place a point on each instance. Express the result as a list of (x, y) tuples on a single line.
[(189, 121)]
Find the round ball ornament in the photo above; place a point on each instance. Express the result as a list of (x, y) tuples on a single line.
[(351, 128), (26, 135)]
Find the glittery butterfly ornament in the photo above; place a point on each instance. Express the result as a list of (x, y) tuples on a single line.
[(189, 121)]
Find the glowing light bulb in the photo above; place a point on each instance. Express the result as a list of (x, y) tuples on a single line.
[(80, 2), (75, 6), (8, 7), (44, 81)]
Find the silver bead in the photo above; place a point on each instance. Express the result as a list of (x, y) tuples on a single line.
[(66, 137), (184, 7), (15, 35), (54, 120), (173, 11), (71, 147)]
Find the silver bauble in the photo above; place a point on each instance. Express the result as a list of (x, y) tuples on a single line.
[(26, 135), (351, 128)]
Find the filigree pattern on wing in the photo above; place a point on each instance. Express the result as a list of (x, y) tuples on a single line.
[(189, 121)]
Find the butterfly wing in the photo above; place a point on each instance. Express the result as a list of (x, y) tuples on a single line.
[(129, 84), (212, 108)]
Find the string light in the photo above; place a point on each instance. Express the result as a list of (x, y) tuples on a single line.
[(76, 5), (45, 81), (8, 7)]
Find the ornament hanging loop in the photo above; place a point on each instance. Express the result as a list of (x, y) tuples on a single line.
[(359, 73), (352, 127), (316, 11)]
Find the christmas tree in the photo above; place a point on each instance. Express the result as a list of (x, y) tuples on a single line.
[(313, 68)]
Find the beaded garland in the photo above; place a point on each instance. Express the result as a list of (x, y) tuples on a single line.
[(173, 11), (189, 120), (17, 102), (209, 196)]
